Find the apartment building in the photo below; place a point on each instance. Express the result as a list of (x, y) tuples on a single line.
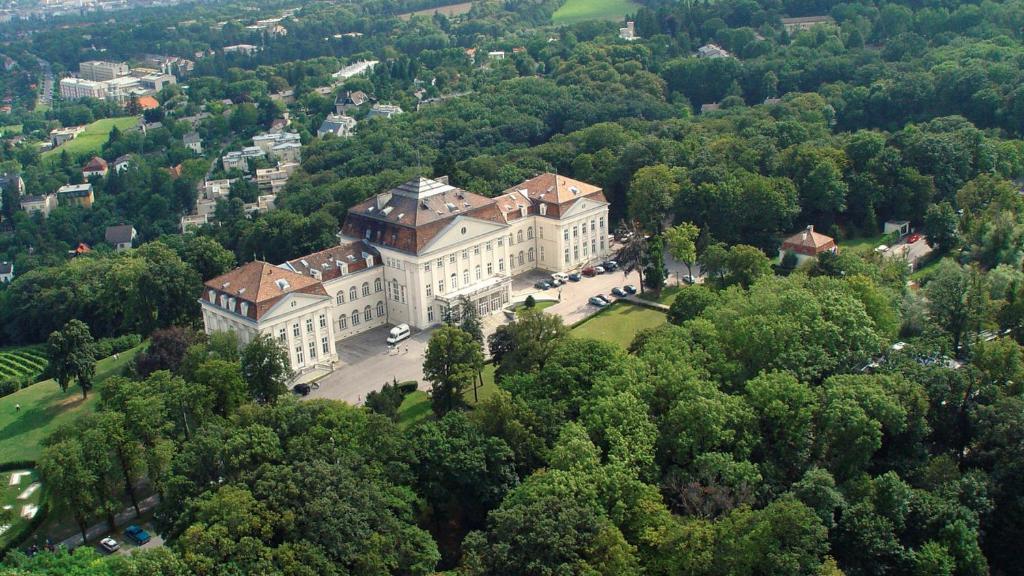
[(75, 88), (100, 71)]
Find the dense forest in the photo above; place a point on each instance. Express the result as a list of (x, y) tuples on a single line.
[(839, 417)]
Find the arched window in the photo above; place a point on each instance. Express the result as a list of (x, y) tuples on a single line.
[(355, 317), (519, 236), (352, 295), (520, 257), (529, 233), (380, 309), (341, 297), (530, 254), (455, 281), (478, 276), (377, 286), (367, 313), (366, 288)]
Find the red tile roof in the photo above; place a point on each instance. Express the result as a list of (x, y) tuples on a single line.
[(97, 164), (325, 262), (808, 242), (260, 284)]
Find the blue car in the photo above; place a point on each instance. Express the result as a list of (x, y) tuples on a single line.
[(575, 277), (136, 534)]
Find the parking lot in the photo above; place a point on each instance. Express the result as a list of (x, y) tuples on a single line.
[(367, 363)]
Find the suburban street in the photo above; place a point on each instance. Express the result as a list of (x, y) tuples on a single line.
[(367, 364)]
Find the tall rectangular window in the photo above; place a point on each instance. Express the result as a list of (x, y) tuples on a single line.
[(299, 358), (430, 290), (282, 335), (295, 329), (312, 350), (326, 346)]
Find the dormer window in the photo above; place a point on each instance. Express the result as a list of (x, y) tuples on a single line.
[(223, 301), (522, 211), (213, 297), (245, 308), (543, 209)]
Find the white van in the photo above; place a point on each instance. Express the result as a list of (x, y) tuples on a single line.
[(560, 277), (398, 333)]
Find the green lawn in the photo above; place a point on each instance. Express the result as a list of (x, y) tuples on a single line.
[(10, 129), (668, 294), (574, 11), (44, 407), (416, 406), (94, 137), (540, 305), (619, 323), (9, 497), (862, 245)]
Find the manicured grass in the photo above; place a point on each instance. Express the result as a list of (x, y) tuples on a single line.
[(416, 406), (667, 295), (21, 362), (414, 410), (44, 407), (580, 10), (95, 136), (619, 323), (9, 497), (862, 245), (539, 305)]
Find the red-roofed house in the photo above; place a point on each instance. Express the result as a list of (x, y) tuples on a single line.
[(95, 167), (807, 244)]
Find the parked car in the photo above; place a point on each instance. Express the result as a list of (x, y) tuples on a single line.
[(559, 278), (542, 285), (610, 265), (109, 545), (589, 271), (689, 279), (618, 292), (136, 534), (599, 270), (301, 389), (598, 301), (913, 238), (629, 288), (606, 299), (575, 277), (556, 282)]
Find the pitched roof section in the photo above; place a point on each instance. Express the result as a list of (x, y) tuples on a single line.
[(556, 189), (119, 234), (808, 242), (328, 263), (97, 164), (408, 217), (262, 285)]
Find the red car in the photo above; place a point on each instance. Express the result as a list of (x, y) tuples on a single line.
[(913, 238), (589, 271)]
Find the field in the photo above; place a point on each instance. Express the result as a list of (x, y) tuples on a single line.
[(95, 136), (667, 295), (19, 500), (21, 362), (10, 130), (44, 407), (449, 10), (619, 323), (574, 11)]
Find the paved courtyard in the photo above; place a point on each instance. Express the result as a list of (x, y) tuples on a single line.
[(366, 363)]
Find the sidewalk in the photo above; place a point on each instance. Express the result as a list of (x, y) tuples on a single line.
[(122, 519)]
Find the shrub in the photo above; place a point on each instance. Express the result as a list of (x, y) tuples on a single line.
[(110, 346), (408, 387), (530, 301), (389, 398)]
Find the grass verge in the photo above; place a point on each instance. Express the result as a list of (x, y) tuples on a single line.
[(574, 11)]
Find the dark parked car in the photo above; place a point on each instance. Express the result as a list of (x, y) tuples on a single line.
[(542, 285), (606, 299), (301, 389), (598, 301), (629, 288), (589, 271), (575, 277), (136, 534), (610, 265), (618, 292)]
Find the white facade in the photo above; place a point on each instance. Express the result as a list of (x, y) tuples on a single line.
[(75, 88)]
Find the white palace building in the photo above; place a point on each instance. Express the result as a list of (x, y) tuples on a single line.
[(407, 255)]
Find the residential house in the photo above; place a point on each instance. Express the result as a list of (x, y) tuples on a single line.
[(807, 244), (713, 51), (43, 204), (272, 180), (193, 142), (76, 195), (629, 32), (899, 227), (709, 107), (59, 136), (95, 167), (121, 163), (384, 110), (338, 125), (247, 49), (121, 237), (6, 272), (11, 182), (806, 23), (348, 100)]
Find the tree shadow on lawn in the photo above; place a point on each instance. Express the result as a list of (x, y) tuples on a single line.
[(42, 413)]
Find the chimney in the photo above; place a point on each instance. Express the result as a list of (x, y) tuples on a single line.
[(382, 199)]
